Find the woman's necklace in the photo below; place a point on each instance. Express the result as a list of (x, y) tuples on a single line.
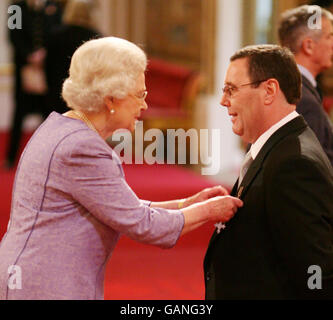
[(83, 117)]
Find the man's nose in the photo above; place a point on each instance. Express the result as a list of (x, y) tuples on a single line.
[(225, 101)]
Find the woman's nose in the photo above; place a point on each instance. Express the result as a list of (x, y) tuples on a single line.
[(144, 105)]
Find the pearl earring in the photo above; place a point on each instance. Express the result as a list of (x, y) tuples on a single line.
[(112, 111)]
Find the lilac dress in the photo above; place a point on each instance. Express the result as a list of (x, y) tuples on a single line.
[(70, 205)]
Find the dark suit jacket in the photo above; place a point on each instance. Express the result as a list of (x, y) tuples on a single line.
[(310, 107), (284, 227), (36, 28)]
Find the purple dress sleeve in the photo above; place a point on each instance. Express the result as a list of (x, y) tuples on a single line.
[(97, 182)]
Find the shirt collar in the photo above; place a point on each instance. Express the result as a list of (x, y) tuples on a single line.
[(256, 146), (307, 74)]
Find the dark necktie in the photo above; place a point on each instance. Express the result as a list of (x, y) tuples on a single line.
[(245, 166)]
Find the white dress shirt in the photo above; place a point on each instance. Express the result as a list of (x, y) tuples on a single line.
[(307, 74), (256, 146)]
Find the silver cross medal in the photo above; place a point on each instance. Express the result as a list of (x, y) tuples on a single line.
[(219, 226)]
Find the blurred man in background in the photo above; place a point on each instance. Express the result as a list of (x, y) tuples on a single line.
[(38, 19), (313, 50)]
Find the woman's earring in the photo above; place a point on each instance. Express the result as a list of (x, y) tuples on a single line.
[(112, 111)]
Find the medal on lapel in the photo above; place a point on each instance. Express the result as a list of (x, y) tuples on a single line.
[(219, 226), (240, 190)]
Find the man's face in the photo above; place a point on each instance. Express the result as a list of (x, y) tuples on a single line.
[(244, 102), (323, 47)]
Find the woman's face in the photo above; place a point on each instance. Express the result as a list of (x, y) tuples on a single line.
[(128, 110)]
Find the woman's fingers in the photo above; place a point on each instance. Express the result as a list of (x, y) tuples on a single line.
[(234, 204), (217, 191), (238, 202), (224, 208)]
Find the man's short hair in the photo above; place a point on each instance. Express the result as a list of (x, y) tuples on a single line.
[(272, 61), (294, 26)]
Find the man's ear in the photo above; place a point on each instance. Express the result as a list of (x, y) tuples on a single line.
[(307, 46), (272, 88)]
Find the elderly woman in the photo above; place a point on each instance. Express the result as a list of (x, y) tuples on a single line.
[(70, 199)]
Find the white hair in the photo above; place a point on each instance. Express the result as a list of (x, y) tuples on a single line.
[(102, 67)]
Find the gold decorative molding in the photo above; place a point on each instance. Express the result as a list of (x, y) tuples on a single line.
[(6, 73), (183, 32), (248, 19), (6, 69), (249, 23), (208, 46)]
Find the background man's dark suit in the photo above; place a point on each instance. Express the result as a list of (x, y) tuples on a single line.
[(36, 27), (285, 225), (310, 107)]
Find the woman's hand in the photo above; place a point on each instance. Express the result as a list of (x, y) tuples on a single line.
[(203, 195), (222, 208), (217, 209)]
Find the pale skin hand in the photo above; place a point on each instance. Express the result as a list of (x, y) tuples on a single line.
[(217, 209), (203, 195), (209, 205)]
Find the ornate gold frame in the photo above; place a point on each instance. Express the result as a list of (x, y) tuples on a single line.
[(183, 32)]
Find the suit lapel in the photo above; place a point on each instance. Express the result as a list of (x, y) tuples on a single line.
[(255, 167), (292, 126)]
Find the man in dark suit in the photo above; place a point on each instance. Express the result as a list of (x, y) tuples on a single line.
[(38, 19), (313, 50), (279, 245)]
